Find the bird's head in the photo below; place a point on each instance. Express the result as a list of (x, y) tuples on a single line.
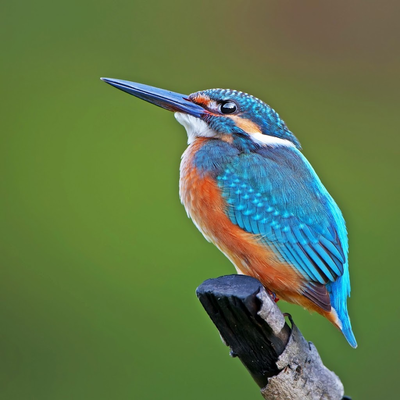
[(230, 115)]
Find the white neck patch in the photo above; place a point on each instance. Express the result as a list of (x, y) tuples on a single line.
[(270, 140), (195, 127)]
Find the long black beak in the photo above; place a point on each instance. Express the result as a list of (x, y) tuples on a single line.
[(162, 98)]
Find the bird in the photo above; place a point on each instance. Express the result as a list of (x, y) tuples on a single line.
[(251, 192)]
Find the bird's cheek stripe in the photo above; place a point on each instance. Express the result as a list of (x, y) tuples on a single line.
[(245, 124)]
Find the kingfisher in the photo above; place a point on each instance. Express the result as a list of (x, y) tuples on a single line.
[(251, 192)]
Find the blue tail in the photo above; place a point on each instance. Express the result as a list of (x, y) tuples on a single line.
[(349, 335), (339, 291)]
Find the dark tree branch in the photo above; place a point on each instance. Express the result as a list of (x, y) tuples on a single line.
[(280, 360)]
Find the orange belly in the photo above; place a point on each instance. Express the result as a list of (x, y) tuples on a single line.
[(204, 203)]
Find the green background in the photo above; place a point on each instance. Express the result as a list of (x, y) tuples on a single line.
[(99, 263)]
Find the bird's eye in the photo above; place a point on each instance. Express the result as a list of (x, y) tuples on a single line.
[(228, 108)]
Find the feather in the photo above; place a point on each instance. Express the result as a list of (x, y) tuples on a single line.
[(319, 295)]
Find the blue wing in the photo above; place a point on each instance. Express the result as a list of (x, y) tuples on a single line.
[(276, 194)]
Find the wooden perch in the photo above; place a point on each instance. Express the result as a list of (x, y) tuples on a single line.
[(280, 360)]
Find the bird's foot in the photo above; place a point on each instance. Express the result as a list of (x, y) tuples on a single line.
[(273, 296)]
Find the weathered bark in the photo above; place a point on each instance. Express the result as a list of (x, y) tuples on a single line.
[(280, 360)]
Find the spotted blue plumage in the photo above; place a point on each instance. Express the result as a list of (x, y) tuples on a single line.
[(276, 194)]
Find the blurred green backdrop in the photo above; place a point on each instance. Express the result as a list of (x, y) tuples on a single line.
[(99, 263)]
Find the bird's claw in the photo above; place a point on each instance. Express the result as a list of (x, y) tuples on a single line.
[(273, 296)]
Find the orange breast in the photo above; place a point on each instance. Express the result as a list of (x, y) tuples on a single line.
[(204, 203)]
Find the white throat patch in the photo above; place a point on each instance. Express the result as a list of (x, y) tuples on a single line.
[(195, 127)]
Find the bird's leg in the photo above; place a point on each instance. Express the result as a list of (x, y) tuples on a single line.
[(272, 295)]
